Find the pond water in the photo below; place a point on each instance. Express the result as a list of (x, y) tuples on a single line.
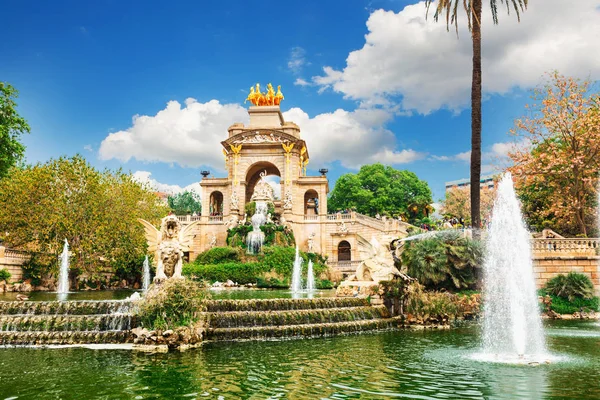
[(393, 364)]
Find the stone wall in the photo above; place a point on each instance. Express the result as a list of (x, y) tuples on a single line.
[(545, 268), (12, 260)]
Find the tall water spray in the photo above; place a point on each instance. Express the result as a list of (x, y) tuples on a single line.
[(146, 275), (63, 273), (512, 326), (297, 273), (256, 238), (310, 277)]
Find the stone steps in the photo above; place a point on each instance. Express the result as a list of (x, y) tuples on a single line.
[(299, 331), (82, 307), (283, 304), (238, 319), (65, 322), (65, 337)]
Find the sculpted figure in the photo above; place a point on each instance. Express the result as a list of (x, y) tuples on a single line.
[(311, 242), (232, 222), (378, 264), (169, 243), (270, 95), (278, 96)]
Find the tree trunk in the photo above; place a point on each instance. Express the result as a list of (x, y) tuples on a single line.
[(476, 119)]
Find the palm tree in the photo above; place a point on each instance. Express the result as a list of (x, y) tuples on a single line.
[(473, 10)]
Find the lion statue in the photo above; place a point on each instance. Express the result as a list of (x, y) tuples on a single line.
[(169, 243), (378, 261)]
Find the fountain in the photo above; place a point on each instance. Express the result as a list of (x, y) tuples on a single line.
[(310, 278), (63, 273), (146, 275), (256, 238), (297, 273), (512, 326)]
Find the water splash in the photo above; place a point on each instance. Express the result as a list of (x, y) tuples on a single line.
[(256, 237), (512, 326), (297, 273), (146, 275), (63, 273)]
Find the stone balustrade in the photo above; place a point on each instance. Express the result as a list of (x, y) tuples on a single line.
[(575, 247)]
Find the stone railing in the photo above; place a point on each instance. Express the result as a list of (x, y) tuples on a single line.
[(189, 218), (345, 267), (311, 217), (16, 254), (341, 217), (564, 247), (215, 218)]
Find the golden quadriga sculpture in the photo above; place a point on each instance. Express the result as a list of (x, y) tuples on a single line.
[(270, 98)]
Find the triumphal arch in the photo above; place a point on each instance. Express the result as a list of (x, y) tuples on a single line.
[(270, 146)]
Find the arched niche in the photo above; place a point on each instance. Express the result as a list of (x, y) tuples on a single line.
[(344, 251), (311, 202), (215, 204)]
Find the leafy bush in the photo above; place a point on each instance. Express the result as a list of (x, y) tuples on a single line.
[(444, 262), (562, 305), (571, 286), (273, 283), (176, 302), (324, 284), (4, 275), (277, 235), (250, 208), (37, 268), (218, 255)]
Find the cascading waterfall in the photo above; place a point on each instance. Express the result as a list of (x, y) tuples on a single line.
[(512, 326), (310, 278), (63, 274), (146, 275), (256, 238), (297, 273)]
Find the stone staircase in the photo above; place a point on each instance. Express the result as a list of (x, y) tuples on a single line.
[(69, 322), (293, 318)]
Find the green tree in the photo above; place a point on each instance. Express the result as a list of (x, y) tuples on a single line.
[(66, 198), (185, 203), (473, 10), (12, 126), (379, 189)]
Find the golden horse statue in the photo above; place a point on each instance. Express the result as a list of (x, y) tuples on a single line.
[(278, 96), (270, 98)]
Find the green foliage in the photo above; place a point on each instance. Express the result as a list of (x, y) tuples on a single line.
[(384, 190), (4, 275), (66, 198), (323, 284), (218, 255), (250, 208), (223, 263), (130, 269), (37, 268), (12, 126), (275, 235), (430, 304), (571, 286), (175, 303), (185, 203), (273, 283), (443, 262), (562, 305)]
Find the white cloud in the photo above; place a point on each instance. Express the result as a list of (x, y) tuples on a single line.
[(88, 147), (301, 82), (354, 138), (419, 64), (189, 136), (145, 177), (297, 60), (275, 182)]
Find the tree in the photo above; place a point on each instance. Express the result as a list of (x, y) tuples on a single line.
[(473, 10), (185, 203), (562, 130), (97, 212), (379, 189), (12, 126), (458, 203)]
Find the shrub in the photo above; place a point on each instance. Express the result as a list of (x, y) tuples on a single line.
[(324, 284), (218, 255), (37, 268), (273, 283), (174, 303), (571, 286), (239, 272), (4, 275), (443, 262)]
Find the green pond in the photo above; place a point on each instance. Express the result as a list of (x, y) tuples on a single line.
[(393, 364)]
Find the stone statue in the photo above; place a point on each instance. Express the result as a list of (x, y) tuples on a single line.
[(378, 261), (234, 200), (232, 222), (287, 200), (213, 241), (263, 191), (169, 243), (311, 242), (343, 229), (269, 218), (243, 220)]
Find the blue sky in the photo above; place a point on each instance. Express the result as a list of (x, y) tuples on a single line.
[(366, 81)]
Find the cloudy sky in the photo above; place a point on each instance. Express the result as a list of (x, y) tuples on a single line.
[(152, 86)]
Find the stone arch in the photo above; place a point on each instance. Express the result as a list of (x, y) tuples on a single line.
[(311, 202), (215, 204), (344, 251), (253, 175)]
